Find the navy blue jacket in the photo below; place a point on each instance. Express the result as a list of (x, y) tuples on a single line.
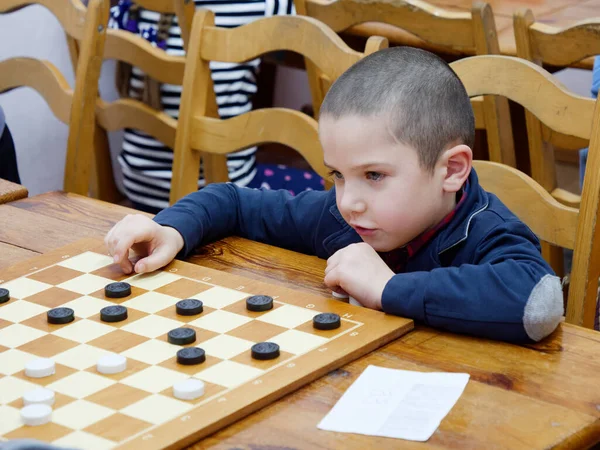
[(482, 274)]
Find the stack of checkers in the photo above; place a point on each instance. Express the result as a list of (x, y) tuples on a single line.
[(37, 403)]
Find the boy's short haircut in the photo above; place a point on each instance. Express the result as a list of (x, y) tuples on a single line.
[(424, 101)]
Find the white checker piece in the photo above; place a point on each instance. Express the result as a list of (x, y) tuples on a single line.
[(87, 306), (20, 310), (220, 297), (81, 384), (298, 342), (25, 287), (151, 281), (83, 331), (80, 414), (13, 361), (220, 321), (288, 316), (152, 352), (81, 357), (151, 302), (225, 346), (85, 284), (87, 262), (10, 419), (157, 409), (16, 335), (81, 439), (12, 388), (152, 326), (154, 379), (229, 374)]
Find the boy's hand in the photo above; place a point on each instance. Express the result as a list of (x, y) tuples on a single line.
[(359, 271), (157, 244)]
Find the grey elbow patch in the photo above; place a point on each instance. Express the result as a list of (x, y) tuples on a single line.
[(544, 308)]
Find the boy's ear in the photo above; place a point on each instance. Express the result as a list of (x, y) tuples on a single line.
[(457, 161)]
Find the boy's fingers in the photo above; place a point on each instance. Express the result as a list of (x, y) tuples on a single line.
[(157, 259)]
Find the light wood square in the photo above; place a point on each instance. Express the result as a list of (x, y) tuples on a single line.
[(87, 261), (157, 409), (151, 302), (21, 310), (246, 359), (81, 357), (87, 306), (135, 292), (289, 316), (83, 330), (240, 308), (171, 313), (85, 284), (60, 373), (55, 275), (210, 389), (154, 379), (117, 427), (133, 366), (53, 297), (190, 370), (152, 351), (48, 345), (229, 374), (152, 281), (10, 419), (118, 396), (118, 341), (21, 288), (13, 361), (297, 342), (80, 414), (220, 297), (18, 334), (12, 387), (220, 321), (47, 432), (183, 288), (81, 384), (81, 439), (152, 326), (256, 331), (132, 316), (40, 322), (226, 347)]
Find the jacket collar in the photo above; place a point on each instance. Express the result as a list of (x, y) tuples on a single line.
[(453, 234)]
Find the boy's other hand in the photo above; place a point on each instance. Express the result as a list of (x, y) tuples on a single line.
[(156, 244), (359, 271)]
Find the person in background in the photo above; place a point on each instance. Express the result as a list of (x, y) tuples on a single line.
[(8, 158), (583, 154), (147, 163)]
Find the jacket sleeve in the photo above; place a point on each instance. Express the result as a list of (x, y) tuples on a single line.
[(508, 292), (268, 216)]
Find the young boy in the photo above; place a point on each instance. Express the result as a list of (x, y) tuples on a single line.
[(407, 229)]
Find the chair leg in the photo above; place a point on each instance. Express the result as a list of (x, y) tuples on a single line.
[(102, 180)]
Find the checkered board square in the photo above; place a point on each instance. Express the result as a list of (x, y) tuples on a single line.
[(136, 408)]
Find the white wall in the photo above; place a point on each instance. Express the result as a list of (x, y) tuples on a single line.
[(40, 138)]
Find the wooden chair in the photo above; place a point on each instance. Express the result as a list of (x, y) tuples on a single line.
[(560, 225), (129, 113), (198, 132), (561, 47), (74, 107), (472, 33)]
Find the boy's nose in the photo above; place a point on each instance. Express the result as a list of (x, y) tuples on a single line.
[(352, 202)]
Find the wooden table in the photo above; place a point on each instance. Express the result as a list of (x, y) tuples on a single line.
[(539, 396), (557, 13)]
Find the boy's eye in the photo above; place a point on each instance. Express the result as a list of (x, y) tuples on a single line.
[(335, 175), (375, 176)]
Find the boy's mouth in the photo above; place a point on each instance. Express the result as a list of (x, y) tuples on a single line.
[(364, 231)]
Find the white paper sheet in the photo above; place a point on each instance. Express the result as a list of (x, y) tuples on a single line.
[(396, 403)]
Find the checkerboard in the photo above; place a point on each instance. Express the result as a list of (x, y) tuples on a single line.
[(136, 408)]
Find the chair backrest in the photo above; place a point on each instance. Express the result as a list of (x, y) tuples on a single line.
[(463, 32), (124, 46), (562, 226), (560, 47), (198, 132), (74, 107)]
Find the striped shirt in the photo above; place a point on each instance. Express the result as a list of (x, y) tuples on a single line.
[(147, 163)]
